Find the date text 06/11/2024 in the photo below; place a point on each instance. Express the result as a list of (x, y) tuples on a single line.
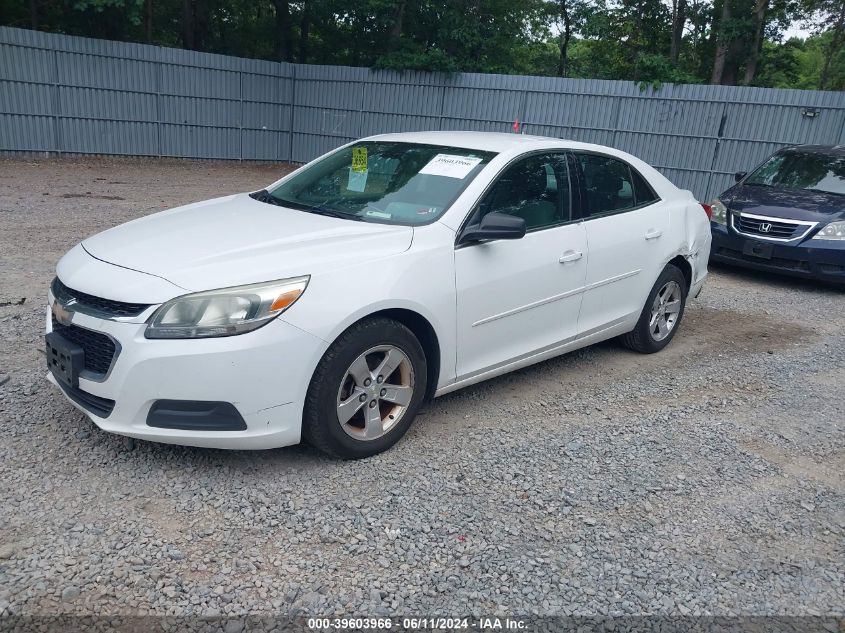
[(417, 623)]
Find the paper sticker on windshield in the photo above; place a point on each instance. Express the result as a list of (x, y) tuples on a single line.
[(359, 159), (450, 165), (357, 180)]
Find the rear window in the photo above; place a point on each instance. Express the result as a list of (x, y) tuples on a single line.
[(802, 170)]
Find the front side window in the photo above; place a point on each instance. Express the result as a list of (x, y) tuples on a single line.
[(535, 189), (387, 182), (802, 170)]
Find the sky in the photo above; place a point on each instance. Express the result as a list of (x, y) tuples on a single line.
[(796, 30)]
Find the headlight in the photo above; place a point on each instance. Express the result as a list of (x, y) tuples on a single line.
[(833, 231), (225, 312), (720, 212)]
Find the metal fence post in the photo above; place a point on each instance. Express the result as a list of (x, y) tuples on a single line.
[(722, 120), (241, 115), (291, 108), (58, 137), (443, 89), (158, 107)]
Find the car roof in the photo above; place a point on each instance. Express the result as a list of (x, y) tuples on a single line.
[(484, 141), (826, 150)]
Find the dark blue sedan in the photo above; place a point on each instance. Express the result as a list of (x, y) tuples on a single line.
[(787, 216)]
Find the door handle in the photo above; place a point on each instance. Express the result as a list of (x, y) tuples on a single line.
[(653, 234), (570, 256)]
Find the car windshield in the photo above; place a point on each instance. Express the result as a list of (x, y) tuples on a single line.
[(387, 182), (800, 170)]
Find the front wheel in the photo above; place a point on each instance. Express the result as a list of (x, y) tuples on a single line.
[(661, 315), (366, 390)]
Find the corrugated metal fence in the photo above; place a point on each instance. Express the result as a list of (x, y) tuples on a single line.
[(78, 95)]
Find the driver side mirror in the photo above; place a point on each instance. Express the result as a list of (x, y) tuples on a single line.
[(740, 175), (495, 226)]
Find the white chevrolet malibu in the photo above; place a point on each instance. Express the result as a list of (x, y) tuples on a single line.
[(329, 306)]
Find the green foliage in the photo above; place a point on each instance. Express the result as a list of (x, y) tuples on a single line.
[(604, 39)]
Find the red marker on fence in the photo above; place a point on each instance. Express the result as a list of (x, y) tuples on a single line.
[(516, 126)]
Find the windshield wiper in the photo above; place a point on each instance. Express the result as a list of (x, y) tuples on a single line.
[(835, 193), (265, 196), (331, 214)]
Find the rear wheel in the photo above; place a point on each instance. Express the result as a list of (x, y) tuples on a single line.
[(366, 390), (661, 315)]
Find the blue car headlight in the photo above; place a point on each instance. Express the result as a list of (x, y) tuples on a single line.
[(833, 231), (719, 212)]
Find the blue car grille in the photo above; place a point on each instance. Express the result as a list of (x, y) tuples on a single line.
[(782, 229)]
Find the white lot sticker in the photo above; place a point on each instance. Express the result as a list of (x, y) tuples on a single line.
[(357, 180), (450, 166)]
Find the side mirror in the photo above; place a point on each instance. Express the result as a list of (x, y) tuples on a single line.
[(495, 226), (740, 175)]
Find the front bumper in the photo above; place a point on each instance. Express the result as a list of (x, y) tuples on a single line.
[(809, 259), (264, 374)]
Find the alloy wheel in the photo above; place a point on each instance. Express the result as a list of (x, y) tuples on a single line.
[(665, 310), (375, 392)]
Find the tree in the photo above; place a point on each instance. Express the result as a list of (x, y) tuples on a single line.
[(565, 17), (829, 18), (679, 18), (283, 48), (759, 21), (647, 41)]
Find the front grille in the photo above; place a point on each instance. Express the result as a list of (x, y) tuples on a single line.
[(779, 229), (103, 307), (99, 349), (101, 407)]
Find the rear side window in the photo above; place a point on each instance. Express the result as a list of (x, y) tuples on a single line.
[(612, 186), (608, 184), (643, 193)]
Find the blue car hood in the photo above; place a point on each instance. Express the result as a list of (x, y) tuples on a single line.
[(780, 202)]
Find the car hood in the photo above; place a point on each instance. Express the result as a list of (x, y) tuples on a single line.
[(237, 240), (779, 202)]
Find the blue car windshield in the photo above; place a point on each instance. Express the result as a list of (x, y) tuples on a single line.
[(386, 182), (802, 170)]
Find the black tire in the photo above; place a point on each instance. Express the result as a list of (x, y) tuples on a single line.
[(321, 427), (641, 339)]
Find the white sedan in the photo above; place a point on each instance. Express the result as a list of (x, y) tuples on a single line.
[(329, 306)]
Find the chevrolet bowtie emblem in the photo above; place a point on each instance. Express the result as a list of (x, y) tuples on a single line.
[(62, 313)]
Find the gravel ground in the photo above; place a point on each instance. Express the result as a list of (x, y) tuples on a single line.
[(707, 479)]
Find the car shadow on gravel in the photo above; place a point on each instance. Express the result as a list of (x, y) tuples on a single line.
[(705, 333)]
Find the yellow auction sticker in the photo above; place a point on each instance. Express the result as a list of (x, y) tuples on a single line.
[(359, 159)]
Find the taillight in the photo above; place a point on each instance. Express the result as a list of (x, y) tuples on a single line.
[(707, 209)]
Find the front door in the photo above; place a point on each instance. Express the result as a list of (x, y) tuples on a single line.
[(518, 297)]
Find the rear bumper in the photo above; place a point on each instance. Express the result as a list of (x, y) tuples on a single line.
[(810, 259)]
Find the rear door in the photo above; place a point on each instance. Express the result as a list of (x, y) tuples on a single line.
[(626, 226), (517, 297)]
